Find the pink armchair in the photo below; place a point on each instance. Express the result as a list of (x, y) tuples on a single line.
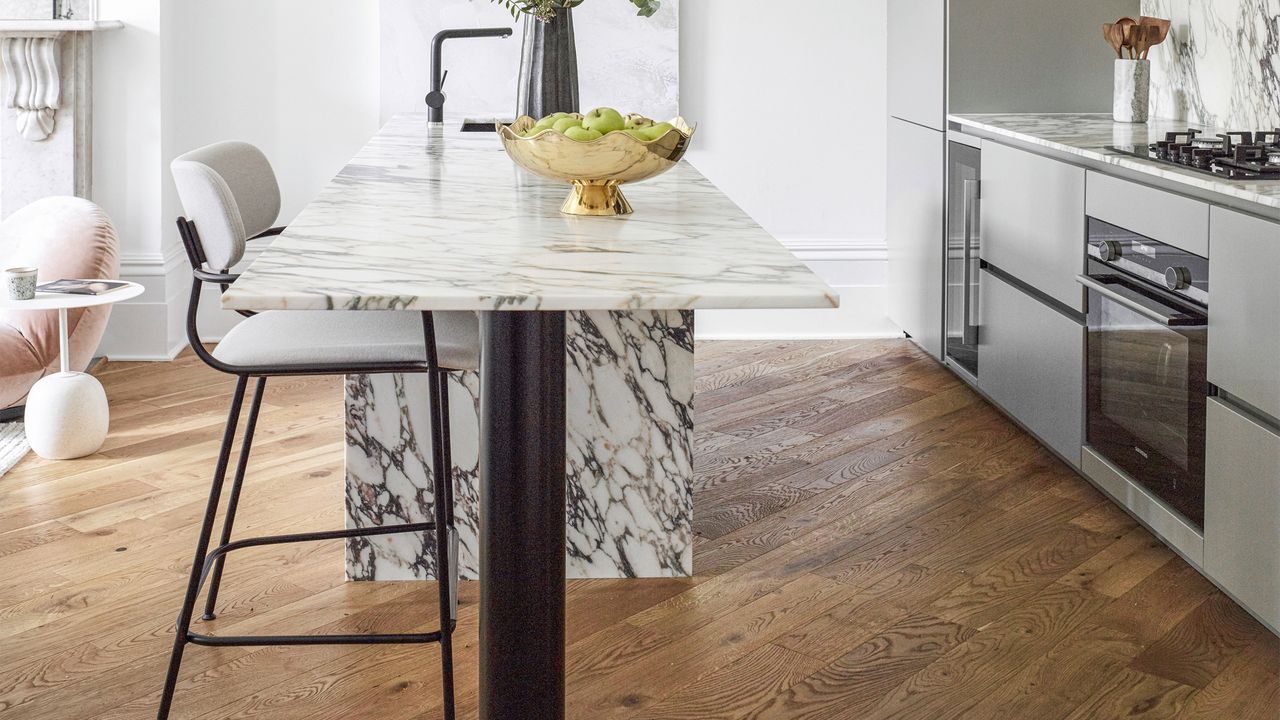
[(65, 237)]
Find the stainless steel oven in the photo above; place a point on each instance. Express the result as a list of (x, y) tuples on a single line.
[(1147, 342)]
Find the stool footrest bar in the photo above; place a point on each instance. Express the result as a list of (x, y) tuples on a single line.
[(273, 640)]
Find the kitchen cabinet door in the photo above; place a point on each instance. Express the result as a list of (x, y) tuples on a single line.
[(918, 62), (1032, 364), (1242, 510), (1244, 333), (916, 188), (1033, 225)]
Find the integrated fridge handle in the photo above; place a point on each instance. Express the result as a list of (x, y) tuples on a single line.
[(971, 188)]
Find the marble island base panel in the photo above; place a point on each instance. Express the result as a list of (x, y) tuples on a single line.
[(629, 409)]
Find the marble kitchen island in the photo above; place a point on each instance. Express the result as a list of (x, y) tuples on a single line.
[(628, 357), (427, 223)]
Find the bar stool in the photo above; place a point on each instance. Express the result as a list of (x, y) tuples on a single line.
[(230, 195)]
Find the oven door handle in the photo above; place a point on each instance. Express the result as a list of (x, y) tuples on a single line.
[(1177, 320)]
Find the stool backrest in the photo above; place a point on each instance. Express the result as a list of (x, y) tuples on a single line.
[(229, 191)]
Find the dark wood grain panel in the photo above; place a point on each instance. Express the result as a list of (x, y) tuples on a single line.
[(1197, 649)]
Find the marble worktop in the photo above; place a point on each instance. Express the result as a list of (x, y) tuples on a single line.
[(1088, 135), (426, 220)]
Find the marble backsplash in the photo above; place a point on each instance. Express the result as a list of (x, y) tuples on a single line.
[(1221, 63)]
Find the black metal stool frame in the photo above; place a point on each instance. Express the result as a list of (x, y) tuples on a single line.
[(208, 565)]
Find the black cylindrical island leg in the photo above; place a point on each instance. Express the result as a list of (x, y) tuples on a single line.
[(522, 516)]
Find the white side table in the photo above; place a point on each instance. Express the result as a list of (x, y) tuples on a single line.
[(67, 414)]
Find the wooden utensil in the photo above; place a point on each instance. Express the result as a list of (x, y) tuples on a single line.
[(1138, 40), (1116, 41), (1162, 30), (1126, 24)]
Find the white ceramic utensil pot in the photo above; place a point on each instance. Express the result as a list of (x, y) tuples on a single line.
[(1132, 83)]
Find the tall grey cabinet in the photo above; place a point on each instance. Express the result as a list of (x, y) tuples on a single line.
[(970, 56), (917, 180)]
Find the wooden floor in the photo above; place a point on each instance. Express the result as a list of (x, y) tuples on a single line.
[(874, 541)]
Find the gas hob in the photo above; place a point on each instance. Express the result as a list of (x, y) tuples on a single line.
[(1231, 155)]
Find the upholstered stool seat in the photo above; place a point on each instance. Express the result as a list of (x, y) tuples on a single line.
[(298, 337), (63, 237)]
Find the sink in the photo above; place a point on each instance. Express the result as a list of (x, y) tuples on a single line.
[(489, 125)]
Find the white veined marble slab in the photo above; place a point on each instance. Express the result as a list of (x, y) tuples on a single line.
[(1089, 135), (450, 223), (1220, 64), (628, 461)]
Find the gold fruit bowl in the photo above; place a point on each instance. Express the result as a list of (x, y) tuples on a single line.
[(595, 168)]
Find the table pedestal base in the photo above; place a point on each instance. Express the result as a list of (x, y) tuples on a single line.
[(522, 509), (67, 416)]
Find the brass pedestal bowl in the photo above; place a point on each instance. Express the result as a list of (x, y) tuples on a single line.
[(595, 168)]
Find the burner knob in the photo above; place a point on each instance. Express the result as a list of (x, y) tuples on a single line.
[(1177, 278), (1108, 250)]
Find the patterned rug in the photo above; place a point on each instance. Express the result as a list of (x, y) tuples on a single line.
[(13, 445)]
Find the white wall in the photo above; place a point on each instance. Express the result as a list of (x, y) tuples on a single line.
[(127, 163), (624, 61), (791, 107), (298, 78)]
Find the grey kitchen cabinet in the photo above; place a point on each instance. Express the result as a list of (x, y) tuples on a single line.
[(917, 199), (1242, 509), (1033, 220), (1170, 218), (1244, 315), (1032, 364), (918, 62)]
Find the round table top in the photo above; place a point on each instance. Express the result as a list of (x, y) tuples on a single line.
[(64, 301)]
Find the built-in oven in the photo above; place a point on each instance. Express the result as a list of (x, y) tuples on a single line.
[(1146, 350)]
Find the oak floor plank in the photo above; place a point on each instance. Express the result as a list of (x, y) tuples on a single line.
[(850, 685), (728, 693), (1197, 649)]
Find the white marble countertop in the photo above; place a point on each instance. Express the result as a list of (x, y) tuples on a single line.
[(449, 222), (1087, 135)]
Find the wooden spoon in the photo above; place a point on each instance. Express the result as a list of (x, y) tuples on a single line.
[(1126, 24), (1115, 41), (1162, 30)]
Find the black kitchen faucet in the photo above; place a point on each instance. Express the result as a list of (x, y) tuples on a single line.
[(436, 98)]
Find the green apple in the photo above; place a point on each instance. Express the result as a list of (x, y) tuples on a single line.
[(656, 131), (604, 120), (637, 133), (545, 123), (638, 121), (564, 124), (582, 134)]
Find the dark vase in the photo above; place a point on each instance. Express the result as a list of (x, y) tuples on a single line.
[(548, 67)]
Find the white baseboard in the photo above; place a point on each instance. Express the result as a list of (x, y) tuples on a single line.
[(138, 328), (861, 315), (856, 269)]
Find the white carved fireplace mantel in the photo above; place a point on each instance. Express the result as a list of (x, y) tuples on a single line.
[(46, 94)]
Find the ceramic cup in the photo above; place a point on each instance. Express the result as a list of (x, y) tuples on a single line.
[(20, 283)]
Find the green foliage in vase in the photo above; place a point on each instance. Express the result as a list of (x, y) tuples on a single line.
[(544, 10)]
